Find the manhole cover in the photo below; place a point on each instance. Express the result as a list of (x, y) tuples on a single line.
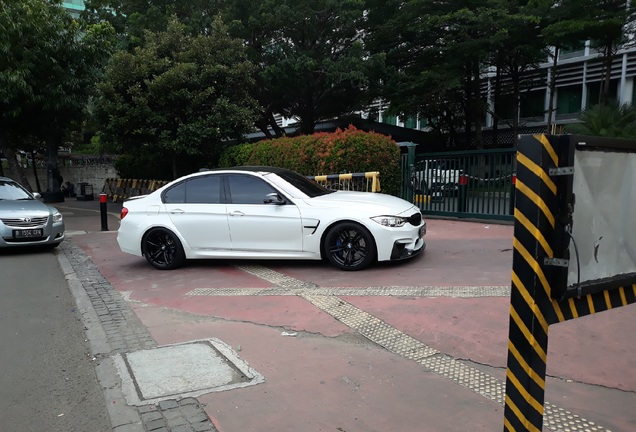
[(182, 370)]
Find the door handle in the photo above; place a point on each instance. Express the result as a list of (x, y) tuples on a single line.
[(237, 213), (177, 211)]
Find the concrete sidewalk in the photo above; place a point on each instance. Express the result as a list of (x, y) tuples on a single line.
[(417, 346)]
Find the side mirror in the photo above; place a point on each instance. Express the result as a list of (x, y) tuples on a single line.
[(36, 195), (273, 198)]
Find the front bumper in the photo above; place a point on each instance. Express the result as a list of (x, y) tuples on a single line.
[(52, 233), (405, 248)]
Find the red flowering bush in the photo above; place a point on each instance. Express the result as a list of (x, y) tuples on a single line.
[(343, 151)]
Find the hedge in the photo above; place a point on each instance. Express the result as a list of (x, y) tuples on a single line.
[(343, 151)]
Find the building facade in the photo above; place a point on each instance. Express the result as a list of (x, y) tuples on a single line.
[(75, 7)]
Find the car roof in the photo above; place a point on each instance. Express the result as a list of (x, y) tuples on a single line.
[(249, 168)]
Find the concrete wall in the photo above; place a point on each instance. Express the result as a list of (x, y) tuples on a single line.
[(94, 175)]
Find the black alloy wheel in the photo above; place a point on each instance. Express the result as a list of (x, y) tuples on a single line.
[(349, 246), (163, 249)]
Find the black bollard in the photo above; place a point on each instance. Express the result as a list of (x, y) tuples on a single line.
[(513, 187), (102, 209), (462, 194)]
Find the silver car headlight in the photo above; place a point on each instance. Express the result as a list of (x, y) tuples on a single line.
[(390, 221), (57, 217)]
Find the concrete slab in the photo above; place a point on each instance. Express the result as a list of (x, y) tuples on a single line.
[(187, 369)]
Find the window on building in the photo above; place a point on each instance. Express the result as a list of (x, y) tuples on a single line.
[(389, 119), (573, 50), (532, 104), (594, 93), (410, 122), (505, 107), (569, 99)]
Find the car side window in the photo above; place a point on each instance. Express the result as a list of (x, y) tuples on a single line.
[(198, 190), (246, 189), (176, 194)]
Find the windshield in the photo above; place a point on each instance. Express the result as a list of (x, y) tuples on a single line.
[(303, 184), (10, 190)]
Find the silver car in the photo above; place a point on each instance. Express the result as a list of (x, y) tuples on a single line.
[(26, 221)]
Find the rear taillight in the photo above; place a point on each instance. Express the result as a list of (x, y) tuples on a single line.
[(124, 212)]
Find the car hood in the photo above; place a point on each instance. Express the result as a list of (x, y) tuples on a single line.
[(14, 208), (374, 203)]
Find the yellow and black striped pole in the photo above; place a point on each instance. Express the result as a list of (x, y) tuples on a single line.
[(543, 204)]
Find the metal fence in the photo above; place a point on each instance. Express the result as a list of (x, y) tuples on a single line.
[(475, 183)]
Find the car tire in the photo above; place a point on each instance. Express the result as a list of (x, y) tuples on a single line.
[(163, 249), (349, 246)]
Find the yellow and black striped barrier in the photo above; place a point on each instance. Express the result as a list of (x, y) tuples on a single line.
[(362, 182), (543, 203), (120, 189)]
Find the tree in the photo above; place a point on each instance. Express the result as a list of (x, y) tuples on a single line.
[(566, 23), (435, 52), (312, 61), (605, 27), (609, 120), (178, 95), (133, 18), (50, 63), (560, 27), (419, 79), (517, 50)]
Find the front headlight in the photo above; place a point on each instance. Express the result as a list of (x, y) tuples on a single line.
[(57, 217), (390, 221)]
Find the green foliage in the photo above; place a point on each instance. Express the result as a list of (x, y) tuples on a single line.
[(49, 64), (133, 18), (343, 151), (312, 62), (93, 147), (144, 166), (567, 23), (178, 96), (618, 121)]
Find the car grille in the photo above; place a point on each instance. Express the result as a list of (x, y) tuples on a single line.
[(415, 219), (25, 222)]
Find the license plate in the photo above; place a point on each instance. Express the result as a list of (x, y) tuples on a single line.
[(27, 233)]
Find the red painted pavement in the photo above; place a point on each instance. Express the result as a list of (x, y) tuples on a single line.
[(330, 379)]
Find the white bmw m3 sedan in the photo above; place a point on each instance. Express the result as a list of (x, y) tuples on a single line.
[(267, 213)]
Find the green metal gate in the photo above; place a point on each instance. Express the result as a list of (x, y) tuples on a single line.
[(472, 184)]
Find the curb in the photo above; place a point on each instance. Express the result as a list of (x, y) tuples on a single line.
[(112, 328), (122, 418)]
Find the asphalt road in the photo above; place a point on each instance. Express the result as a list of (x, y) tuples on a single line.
[(47, 376)]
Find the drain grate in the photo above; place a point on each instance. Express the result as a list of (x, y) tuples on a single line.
[(182, 370)]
